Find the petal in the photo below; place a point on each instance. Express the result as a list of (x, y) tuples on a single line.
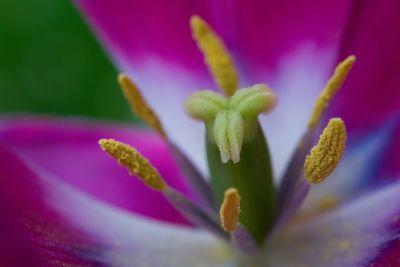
[(348, 236), (69, 150), (389, 255), (271, 31), (117, 238), (390, 168), (32, 233), (371, 94)]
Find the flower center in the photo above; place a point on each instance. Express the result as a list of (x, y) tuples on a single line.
[(232, 120), (237, 152)]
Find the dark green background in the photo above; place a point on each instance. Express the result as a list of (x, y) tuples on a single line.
[(51, 63)]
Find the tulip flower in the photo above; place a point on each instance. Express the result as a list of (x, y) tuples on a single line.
[(271, 141)]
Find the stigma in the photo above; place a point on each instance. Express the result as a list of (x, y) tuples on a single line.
[(230, 121)]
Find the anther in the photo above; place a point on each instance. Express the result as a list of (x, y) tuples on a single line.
[(138, 104), (216, 55), (332, 86), (136, 164), (326, 155), (230, 210)]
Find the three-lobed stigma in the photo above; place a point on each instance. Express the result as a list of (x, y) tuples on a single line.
[(231, 120)]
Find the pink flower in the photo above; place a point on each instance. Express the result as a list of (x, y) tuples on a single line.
[(66, 203)]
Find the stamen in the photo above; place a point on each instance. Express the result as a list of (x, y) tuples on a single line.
[(216, 55), (136, 164), (230, 210), (326, 155), (138, 104), (332, 86)]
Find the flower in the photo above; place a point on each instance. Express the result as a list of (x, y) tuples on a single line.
[(84, 219)]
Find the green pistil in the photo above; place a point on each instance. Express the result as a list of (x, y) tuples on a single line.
[(237, 151)]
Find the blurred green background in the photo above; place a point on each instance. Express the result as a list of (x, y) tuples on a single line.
[(51, 63)]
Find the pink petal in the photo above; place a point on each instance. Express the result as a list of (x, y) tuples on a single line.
[(32, 233), (69, 150), (270, 31), (390, 162), (61, 226), (388, 256), (371, 94)]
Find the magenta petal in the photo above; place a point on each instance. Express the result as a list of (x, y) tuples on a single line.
[(33, 234), (390, 166), (69, 150), (389, 255), (136, 30), (270, 31), (57, 225), (371, 93)]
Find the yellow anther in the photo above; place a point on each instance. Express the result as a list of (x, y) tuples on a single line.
[(216, 55), (230, 210), (327, 203), (326, 155), (139, 105), (332, 86), (136, 164)]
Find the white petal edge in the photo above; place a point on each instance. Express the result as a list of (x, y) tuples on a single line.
[(348, 236)]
